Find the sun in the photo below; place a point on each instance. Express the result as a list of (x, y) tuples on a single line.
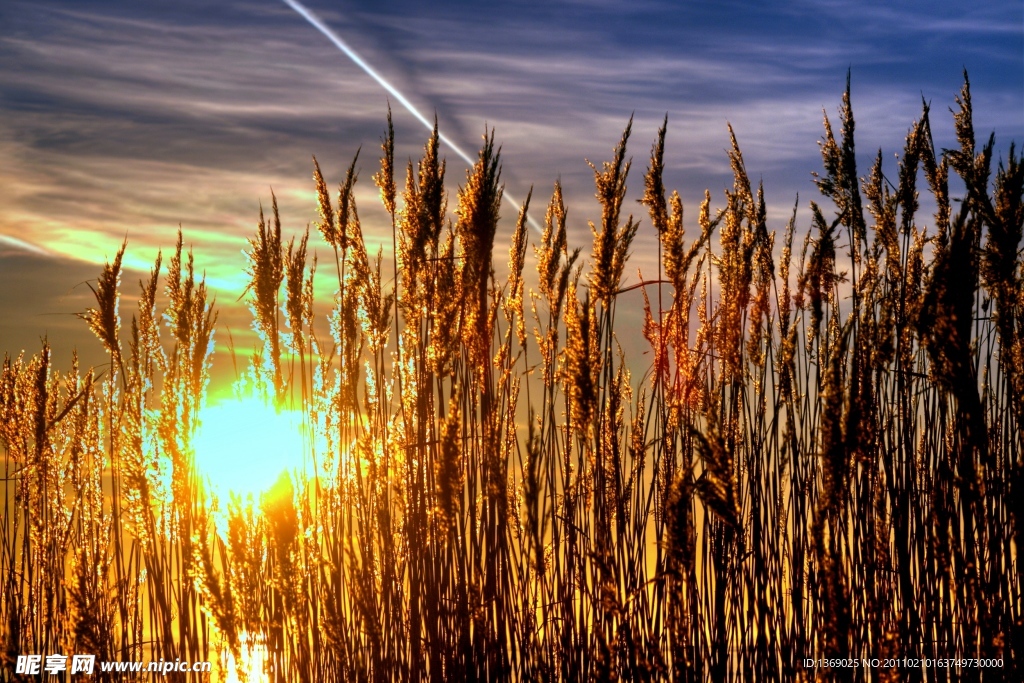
[(243, 445)]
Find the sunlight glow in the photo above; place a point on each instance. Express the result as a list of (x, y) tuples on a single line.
[(243, 445), (254, 661)]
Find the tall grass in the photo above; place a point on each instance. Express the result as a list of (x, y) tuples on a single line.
[(818, 460)]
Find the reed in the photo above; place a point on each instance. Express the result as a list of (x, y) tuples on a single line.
[(817, 459)]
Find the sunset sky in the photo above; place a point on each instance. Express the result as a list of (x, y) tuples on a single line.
[(123, 119)]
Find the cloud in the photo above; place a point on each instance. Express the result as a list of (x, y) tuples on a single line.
[(47, 305), (125, 120)]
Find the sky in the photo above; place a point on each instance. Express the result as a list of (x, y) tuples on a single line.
[(127, 120)]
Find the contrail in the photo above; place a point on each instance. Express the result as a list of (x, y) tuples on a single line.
[(21, 244), (320, 26)]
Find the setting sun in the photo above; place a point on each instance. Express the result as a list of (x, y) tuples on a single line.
[(243, 445), (765, 427)]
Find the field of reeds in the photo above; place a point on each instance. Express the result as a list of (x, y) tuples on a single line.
[(817, 458)]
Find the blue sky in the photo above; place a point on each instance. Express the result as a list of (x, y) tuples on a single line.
[(127, 119)]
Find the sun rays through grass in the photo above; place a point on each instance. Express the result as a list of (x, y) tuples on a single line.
[(440, 474)]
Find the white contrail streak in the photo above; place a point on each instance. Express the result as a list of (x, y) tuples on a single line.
[(21, 244), (320, 26)]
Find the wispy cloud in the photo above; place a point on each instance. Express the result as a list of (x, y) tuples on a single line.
[(125, 120)]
